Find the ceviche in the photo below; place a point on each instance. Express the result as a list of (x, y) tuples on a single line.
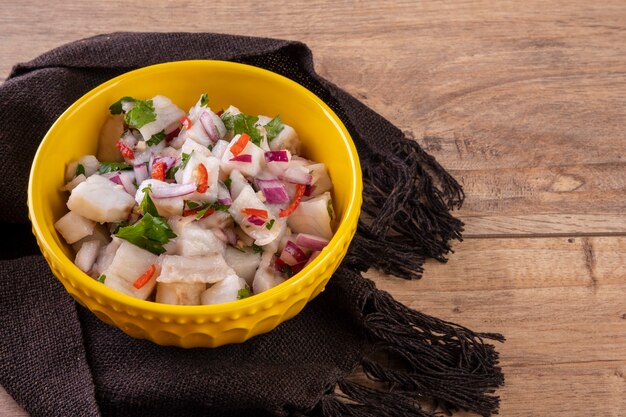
[(195, 208)]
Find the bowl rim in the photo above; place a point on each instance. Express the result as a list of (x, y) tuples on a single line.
[(49, 247)]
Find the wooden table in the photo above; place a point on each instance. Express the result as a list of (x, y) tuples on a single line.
[(524, 102)]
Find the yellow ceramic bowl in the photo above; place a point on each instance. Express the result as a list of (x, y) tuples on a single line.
[(254, 91)]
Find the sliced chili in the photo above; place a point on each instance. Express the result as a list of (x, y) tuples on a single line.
[(300, 189)]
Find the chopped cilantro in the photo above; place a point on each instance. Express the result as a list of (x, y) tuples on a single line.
[(244, 123), (102, 278), (256, 248), (141, 114), (80, 169), (269, 224), (192, 204), (147, 205), (243, 293), (118, 225), (228, 120), (210, 146), (173, 170), (156, 138), (185, 159), (219, 207), (116, 108), (113, 166), (149, 233), (227, 182), (200, 214), (273, 128), (204, 100)]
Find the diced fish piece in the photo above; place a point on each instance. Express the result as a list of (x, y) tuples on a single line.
[(313, 217), (130, 263), (167, 114), (248, 199), (193, 240), (321, 180), (244, 263), (190, 173), (101, 200), (90, 163), (166, 207), (100, 233), (224, 291), (105, 257), (266, 276), (249, 169), (209, 268), (73, 227), (237, 183), (86, 256), (286, 139), (219, 148), (180, 293)]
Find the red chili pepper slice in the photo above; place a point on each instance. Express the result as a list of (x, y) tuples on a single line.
[(202, 178), (158, 171), (125, 150), (240, 144), (186, 122), (300, 189), (261, 214), (194, 212), (143, 280)]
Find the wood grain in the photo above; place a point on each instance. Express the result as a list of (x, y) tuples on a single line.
[(525, 103)]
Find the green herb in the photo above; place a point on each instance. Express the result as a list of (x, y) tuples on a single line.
[(113, 166), (229, 121), (116, 108), (243, 293), (244, 123), (147, 205), (156, 138), (256, 248), (269, 224), (173, 170), (149, 233), (204, 100), (80, 170), (192, 204), (102, 278), (286, 269), (185, 159), (273, 128), (141, 114), (227, 182), (210, 146), (202, 212), (219, 207), (169, 175), (117, 226)]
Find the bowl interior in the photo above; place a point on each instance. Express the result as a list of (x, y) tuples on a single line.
[(252, 90)]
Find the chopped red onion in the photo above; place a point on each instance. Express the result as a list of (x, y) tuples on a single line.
[(292, 254), (174, 190), (127, 178), (298, 175), (256, 220), (169, 161), (312, 257), (141, 173), (309, 190), (172, 135), (231, 235), (223, 195), (219, 233), (313, 242), (209, 126), (273, 189), (242, 158), (116, 178), (277, 156)]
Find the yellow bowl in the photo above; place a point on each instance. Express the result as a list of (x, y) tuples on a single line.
[(254, 91)]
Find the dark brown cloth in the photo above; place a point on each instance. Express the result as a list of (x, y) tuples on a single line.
[(57, 359)]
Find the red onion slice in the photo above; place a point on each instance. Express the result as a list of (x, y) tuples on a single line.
[(277, 156), (292, 254), (174, 190), (141, 173), (312, 257), (274, 190), (209, 126), (127, 179), (242, 158), (313, 242), (223, 195), (172, 135), (298, 175), (256, 220), (169, 161)]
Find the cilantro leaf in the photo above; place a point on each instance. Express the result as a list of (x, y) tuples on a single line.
[(227, 182), (116, 108), (141, 114), (156, 138), (185, 159), (244, 123), (269, 224), (173, 170), (204, 100), (243, 293), (102, 278), (149, 233), (219, 207), (192, 204), (256, 248), (147, 205), (273, 128), (113, 166), (228, 120), (200, 214), (80, 169)]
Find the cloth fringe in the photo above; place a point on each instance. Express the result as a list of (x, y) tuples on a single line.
[(438, 362)]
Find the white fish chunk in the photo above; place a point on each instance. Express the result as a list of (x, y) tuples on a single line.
[(131, 262), (73, 227), (249, 199), (105, 257), (224, 291), (244, 263), (167, 114), (209, 268), (180, 293), (193, 240), (87, 254), (101, 200), (266, 277), (313, 217), (249, 169)]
